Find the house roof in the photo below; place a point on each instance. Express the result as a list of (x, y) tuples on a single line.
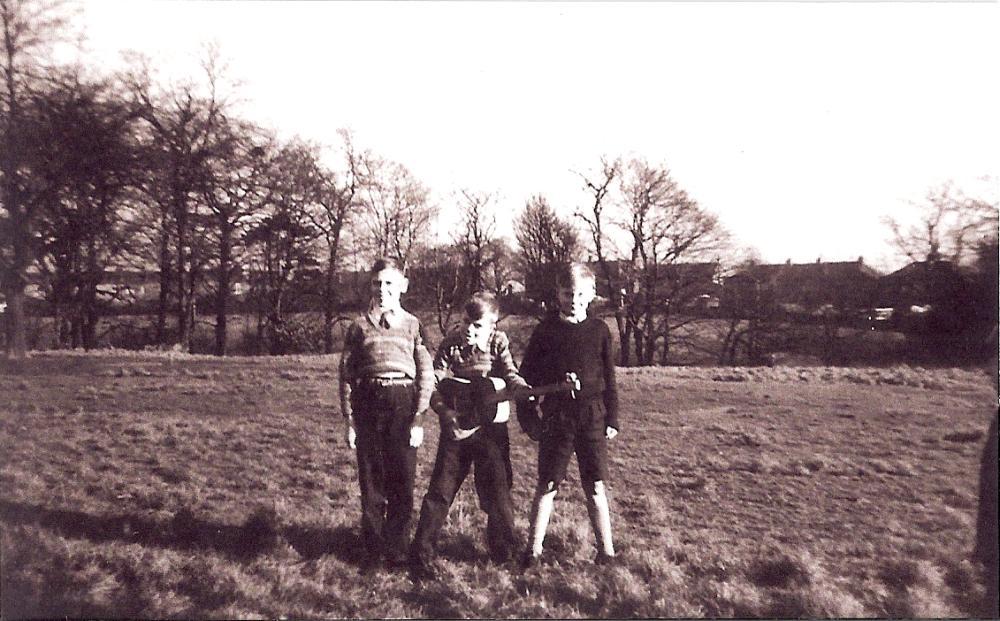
[(819, 270)]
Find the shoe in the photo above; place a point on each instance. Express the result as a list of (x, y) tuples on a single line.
[(529, 560), (421, 570), (504, 557), (608, 560)]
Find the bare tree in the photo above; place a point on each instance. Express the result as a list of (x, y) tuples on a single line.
[(544, 239), (599, 186), (336, 200), (282, 241), (948, 227), (674, 245), (396, 212), (476, 235), (185, 124), (82, 224), (439, 281), (234, 189), (30, 30)]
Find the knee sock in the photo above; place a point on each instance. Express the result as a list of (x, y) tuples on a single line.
[(600, 519), (541, 511)]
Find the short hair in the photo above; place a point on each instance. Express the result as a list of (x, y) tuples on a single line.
[(482, 303), (386, 263), (569, 273)]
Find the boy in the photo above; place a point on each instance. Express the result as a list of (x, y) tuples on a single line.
[(569, 341), (385, 385), (478, 350)]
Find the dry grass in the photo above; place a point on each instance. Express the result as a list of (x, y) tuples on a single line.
[(173, 486)]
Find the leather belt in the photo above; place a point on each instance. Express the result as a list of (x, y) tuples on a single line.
[(388, 381)]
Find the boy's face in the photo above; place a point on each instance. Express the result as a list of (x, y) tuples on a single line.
[(575, 298), (478, 329), (386, 287)]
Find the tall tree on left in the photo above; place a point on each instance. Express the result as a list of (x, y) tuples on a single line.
[(31, 29)]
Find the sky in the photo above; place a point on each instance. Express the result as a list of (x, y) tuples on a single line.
[(800, 124)]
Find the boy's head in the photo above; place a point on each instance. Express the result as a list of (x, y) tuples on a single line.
[(481, 315), (576, 288), (387, 283)]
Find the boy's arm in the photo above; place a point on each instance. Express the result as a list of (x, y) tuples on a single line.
[(345, 375), (425, 373), (527, 411), (503, 363), (610, 384)]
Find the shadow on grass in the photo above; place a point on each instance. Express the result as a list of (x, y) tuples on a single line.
[(313, 542), (185, 531)]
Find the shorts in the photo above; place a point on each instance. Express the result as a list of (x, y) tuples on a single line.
[(573, 427)]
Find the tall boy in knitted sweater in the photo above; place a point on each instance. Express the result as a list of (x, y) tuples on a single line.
[(386, 382), (568, 341)]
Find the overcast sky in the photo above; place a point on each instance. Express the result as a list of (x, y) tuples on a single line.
[(799, 124)]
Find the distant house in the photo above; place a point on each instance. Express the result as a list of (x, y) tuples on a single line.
[(816, 289), (927, 295)]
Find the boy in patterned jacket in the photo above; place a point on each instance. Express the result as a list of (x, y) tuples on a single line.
[(478, 350)]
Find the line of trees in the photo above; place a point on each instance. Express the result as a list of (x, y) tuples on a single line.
[(106, 173), (128, 171)]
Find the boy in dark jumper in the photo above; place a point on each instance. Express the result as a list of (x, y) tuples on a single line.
[(567, 341), (385, 385), (478, 350)]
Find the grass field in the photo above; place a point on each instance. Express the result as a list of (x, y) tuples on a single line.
[(159, 485)]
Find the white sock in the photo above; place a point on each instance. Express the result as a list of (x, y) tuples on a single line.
[(600, 519), (541, 511)]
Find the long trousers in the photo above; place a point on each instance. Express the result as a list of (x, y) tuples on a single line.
[(386, 465), (488, 452)]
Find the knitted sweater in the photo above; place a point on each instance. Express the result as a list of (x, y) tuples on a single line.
[(558, 347), (372, 349)]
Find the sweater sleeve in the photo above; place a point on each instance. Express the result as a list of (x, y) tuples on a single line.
[(503, 362), (425, 371), (441, 365), (531, 363), (527, 411), (610, 383), (345, 375)]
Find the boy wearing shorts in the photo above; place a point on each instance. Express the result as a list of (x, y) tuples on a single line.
[(568, 341)]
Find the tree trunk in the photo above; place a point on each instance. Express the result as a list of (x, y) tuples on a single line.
[(165, 278), (330, 296), (223, 291), (17, 342), (183, 304)]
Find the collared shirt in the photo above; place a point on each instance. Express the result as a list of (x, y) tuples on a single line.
[(389, 318)]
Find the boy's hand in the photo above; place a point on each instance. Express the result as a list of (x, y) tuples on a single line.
[(458, 434), (416, 436), (610, 433)]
